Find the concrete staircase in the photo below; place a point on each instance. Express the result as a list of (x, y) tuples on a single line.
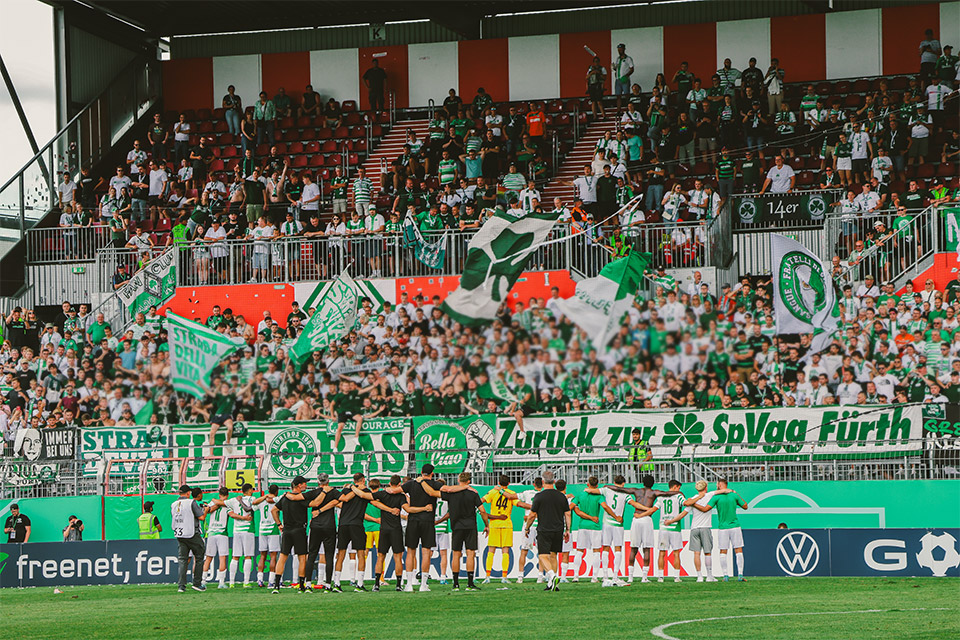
[(572, 165), (390, 147)]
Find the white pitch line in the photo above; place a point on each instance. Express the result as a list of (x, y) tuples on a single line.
[(660, 631)]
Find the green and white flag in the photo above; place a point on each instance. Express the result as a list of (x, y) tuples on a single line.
[(600, 302), (335, 316), (805, 300), (429, 253), (495, 388), (151, 286), (195, 351), (496, 257)]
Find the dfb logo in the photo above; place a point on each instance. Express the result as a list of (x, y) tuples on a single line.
[(798, 553)]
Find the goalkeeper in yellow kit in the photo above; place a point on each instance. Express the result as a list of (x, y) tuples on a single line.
[(499, 503)]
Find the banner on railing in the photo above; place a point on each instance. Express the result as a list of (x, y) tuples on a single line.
[(140, 442), (782, 207), (951, 221), (827, 432), (303, 449), (454, 445), (151, 286)]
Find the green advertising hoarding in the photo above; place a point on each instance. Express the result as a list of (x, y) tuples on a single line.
[(453, 445)]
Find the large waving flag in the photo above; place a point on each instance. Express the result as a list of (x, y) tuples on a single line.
[(335, 316), (599, 303), (151, 286), (804, 297), (195, 351), (496, 257)]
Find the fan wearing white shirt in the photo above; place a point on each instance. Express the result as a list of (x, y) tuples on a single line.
[(780, 179), (586, 186)]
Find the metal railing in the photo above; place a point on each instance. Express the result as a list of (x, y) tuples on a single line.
[(39, 479), (32, 192), (754, 252), (49, 245), (128, 471), (902, 253)]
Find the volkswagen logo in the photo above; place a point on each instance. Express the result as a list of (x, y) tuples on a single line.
[(798, 553)]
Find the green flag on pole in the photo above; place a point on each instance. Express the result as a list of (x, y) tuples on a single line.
[(335, 316), (496, 257), (600, 302), (195, 351)]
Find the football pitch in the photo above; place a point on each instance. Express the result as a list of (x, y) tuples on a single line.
[(768, 608)]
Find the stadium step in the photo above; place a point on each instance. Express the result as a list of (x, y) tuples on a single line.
[(572, 165), (391, 146)]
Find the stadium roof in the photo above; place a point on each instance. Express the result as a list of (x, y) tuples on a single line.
[(173, 18)]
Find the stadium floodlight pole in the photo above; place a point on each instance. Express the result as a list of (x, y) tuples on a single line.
[(629, 207), (15, 97)]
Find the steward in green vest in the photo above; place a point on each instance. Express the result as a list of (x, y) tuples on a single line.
[(639, 451), (148, 524)]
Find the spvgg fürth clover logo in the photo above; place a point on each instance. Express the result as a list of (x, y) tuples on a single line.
[(292, 453), (802, 285), (683, 429)]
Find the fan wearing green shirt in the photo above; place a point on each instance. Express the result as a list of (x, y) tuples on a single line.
[(730, 534)]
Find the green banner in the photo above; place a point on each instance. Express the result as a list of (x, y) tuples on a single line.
[(789, 434), (303, 448), (951, 220), (151, 286), (453, 445), (335, 315)]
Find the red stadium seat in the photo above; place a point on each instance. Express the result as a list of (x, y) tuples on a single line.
[(360, 145), (349, 106), (299, 162), (219, 114), (860, 86), (204, 114), (216, 152), (852, 101), (291, 136), (316, 161), (304, 122), (341, 133), (824, 89), (330, 146), (353, 159), (262, 149), (311, 147), (308, 134), (376, 131), (947, 169), (230, 152), (295, 148), (333, 160), (843, 87), (324, 134), (926, 171), (281, 148), (357, 132), (353, 119), (221, 127), (287, 123), (216, 165), (205, 127)]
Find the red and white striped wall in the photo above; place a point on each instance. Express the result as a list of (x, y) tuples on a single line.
[(811, 47)]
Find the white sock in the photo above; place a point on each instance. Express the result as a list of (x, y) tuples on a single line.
[(233, 570), (708, 560), (259, 576), (247, 569), (222, 577), (272, 577), (597, 559), (617, 564), (423, 578), (295, 568), (740, 564), (698, 570), (723, 565), (336, 577)]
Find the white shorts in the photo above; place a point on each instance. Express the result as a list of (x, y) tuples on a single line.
[(641, 533), (567, 544), (243, 544), (443, 541), (670, 541), (590, 539), (730, 538), (269, 543), (611, 536), (529, 541), (217, 545), (844, 164)]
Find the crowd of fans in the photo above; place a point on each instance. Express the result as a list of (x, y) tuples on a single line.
[(691, 347)]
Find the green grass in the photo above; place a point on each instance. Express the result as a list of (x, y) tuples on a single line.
[(523, 611)]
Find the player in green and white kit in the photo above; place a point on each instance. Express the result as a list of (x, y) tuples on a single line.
[(442, 515), (670, 538), (611, 532), (529, 543), (269, 534), (217, 541), (589, 506), (241, 510), (730, 534)]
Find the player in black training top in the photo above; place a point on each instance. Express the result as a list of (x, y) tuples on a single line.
[(421, 526), (464, 504), (353, 505), (293, 530), (390, 501), (552, 512)]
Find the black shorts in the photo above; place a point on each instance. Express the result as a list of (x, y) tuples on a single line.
[(422, 533), (351, 533), (390, 539), (220, 418), (464, 538), (860, 165), (155, 201), (549, 541), (344, 416), (295, 540)]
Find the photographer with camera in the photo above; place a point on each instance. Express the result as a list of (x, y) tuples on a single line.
[(73, 532)]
